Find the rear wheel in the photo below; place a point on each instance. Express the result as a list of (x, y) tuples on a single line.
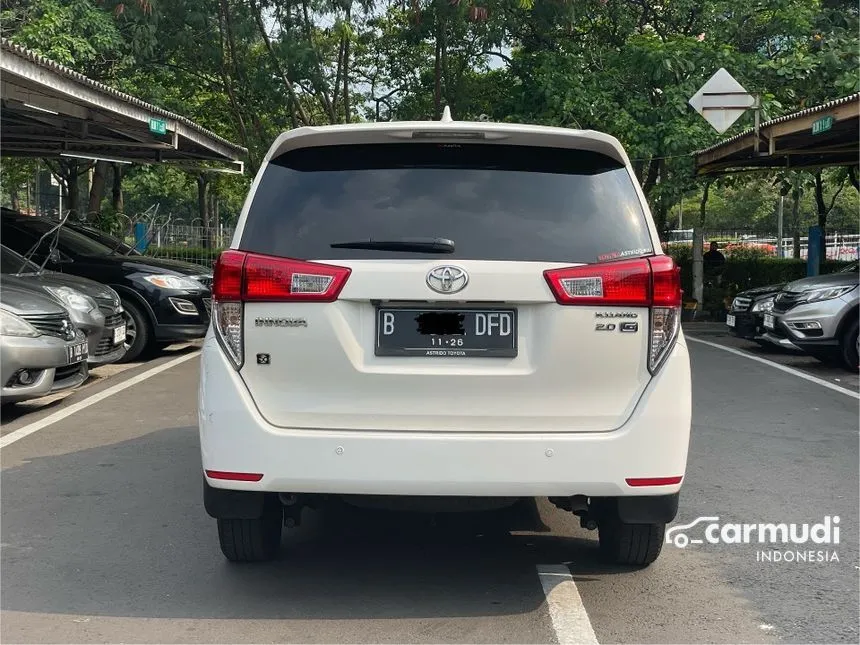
[(630, 544), (255, 540), (848, 347), (138, 332)]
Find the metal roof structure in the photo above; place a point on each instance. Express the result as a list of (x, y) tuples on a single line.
[(791, 141), (49, 110)]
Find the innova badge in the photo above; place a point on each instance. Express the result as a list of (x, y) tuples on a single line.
[(447, 279)]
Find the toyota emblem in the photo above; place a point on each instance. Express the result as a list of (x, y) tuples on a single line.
[(447, 279)]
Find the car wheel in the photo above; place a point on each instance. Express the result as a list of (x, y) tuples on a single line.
[(137, 332), (255, 540), (630, 544), (848, 346)]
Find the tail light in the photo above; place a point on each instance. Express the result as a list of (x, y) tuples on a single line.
[(653, 282), (241, 277)]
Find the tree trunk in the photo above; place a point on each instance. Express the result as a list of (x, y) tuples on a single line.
[(298, 111), (13, 197), (203, 205), (97, 190), (446, 76), (852, 177), (437, 74), (698, 235), (661, 216), (795, 220), (116, 193), (74, 189), (346, 108), (651, 177)]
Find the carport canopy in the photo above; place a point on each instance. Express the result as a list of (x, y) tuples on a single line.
[(820, 136), (49, 111)]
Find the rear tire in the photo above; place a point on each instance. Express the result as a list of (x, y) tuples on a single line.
[(138, 332), (848, 347), (630, 544), (256, 540)]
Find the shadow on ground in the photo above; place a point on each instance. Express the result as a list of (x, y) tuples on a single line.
[(120, 531), (101, 375)]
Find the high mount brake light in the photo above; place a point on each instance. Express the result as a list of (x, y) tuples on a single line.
[(652, 282), (241, 277)]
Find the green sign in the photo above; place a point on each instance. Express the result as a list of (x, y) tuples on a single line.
[(822, 125), (158, 126)]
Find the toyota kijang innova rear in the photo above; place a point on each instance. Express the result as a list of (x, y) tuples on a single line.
[(445, 311)]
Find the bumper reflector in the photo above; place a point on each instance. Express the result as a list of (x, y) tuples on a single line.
[(236, 477), (653, 481)]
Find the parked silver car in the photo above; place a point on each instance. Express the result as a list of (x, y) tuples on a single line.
[(95, 308), (41, 350), (820, 316)]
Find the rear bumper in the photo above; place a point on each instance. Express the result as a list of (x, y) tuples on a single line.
[(652, 443)]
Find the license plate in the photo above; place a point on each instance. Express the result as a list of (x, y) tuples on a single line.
[(730, 320), (119, 335), (768, 321), (454, 333), (76, 353)]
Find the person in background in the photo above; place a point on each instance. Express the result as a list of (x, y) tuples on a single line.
[(713, 262)]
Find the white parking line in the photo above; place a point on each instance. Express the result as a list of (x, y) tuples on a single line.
[(569, 618), (27, 430), (783, 368)]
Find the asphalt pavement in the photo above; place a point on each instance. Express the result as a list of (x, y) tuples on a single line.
[(104, 536)]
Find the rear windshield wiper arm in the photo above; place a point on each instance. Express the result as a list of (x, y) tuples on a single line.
[(415, 244)]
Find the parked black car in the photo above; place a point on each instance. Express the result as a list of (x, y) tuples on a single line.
[(107, 239), (164, 301), (745, 318)]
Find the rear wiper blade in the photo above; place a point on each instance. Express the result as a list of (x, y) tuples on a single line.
[(416, 244)]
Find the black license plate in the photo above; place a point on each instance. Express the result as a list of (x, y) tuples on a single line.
[(77, 352), (454, 333)]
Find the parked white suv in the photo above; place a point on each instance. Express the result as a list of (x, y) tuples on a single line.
[(442, 310)]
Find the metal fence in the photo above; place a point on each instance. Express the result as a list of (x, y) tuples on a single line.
[(840, 245), (184, 242)]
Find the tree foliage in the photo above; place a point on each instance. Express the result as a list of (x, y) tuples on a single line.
[(250, 69)]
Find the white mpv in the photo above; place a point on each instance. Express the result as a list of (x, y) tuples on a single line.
[(445, 310)]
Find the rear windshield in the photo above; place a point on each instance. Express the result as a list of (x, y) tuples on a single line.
[(494, 202)]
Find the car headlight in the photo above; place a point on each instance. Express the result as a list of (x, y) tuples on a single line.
[(827, 293), (174, 282), (73, 299), (763, 305), (12, 325)]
